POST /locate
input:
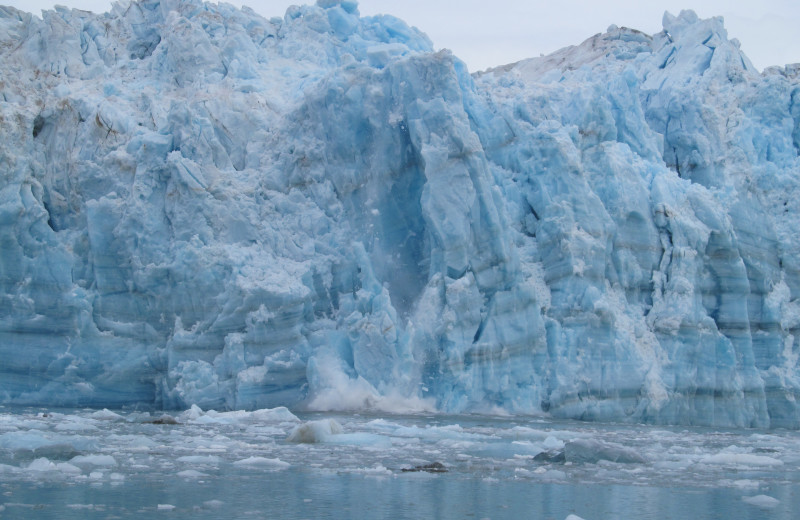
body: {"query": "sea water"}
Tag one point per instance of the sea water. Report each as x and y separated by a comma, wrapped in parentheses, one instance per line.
(276, 464)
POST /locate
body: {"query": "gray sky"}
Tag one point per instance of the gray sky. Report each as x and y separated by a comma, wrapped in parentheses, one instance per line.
(486, 33)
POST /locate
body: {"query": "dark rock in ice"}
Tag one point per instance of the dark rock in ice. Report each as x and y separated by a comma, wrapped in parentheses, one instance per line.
(550, 457)
(433, 467)
(589, 451)
(164, 419)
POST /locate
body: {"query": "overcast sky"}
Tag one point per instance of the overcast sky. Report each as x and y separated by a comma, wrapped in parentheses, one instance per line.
(486, 33)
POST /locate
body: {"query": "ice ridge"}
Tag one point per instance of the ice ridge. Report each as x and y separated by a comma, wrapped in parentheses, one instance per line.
(200, 206)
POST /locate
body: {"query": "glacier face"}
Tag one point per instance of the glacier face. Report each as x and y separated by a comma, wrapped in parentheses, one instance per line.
(202, 206)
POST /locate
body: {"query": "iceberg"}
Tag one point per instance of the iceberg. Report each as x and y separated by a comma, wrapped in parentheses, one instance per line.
(200, 206)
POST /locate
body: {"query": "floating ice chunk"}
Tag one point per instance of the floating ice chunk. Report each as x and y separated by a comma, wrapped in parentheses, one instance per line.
(741, 459)
(453, 432)
(165, 507)
(673, 465)
(522, 472)
(762, 501)
(94, 460)
(106, 415)
(42, 464)
(7, 469)
(66, 467)
(376, 471)
(277, 415)
(554, 474)
(193, 413)
(199, 459)
(263, 462)
(214, 419)
(76, 425)
(551, 443)
(49, 445)
(315, 431)
(383, 424)
(590, 451)
(573, 517)
(360, 439)
(191, 473)
(515, 449)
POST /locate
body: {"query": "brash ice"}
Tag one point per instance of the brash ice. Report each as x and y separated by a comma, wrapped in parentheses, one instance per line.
(202, 206)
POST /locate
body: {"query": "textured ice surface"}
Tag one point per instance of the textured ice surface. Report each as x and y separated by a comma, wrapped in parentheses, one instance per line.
(202, 206)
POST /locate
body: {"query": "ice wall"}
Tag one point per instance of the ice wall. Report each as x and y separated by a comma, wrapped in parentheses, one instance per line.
(202, 206)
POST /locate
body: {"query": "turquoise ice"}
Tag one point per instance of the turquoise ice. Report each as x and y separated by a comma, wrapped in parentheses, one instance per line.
(202, 206)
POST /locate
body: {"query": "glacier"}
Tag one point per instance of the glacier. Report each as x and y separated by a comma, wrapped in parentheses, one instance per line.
(200, 206)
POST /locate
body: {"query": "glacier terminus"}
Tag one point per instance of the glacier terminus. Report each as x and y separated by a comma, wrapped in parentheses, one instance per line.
(201, 206)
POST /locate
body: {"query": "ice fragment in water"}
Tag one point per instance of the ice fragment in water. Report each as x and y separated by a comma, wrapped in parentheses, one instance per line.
(315, 431)
(762, 501)
(590, 451)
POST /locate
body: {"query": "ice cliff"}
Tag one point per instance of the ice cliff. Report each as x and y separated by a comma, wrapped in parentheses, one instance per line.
(202, 206)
